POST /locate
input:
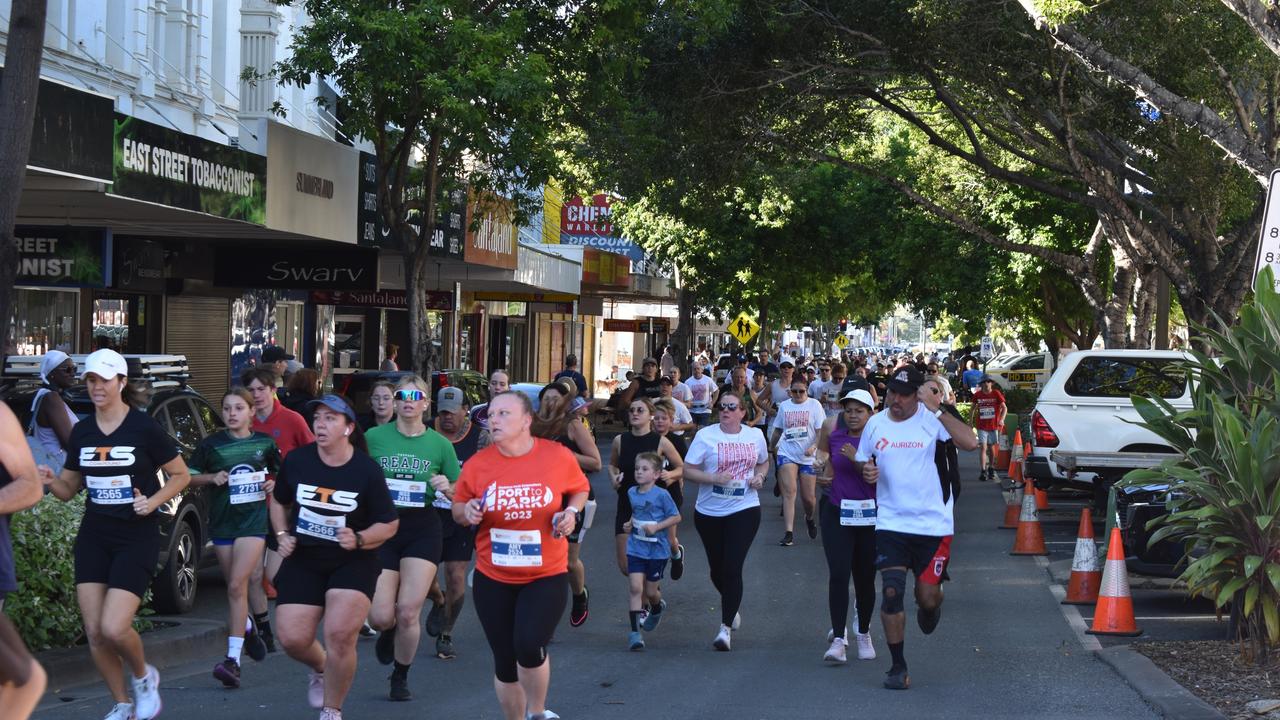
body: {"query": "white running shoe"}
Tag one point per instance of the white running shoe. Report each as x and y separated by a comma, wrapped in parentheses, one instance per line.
(831, 634)
(330, 714)
(122, 711)
(737, 621)
(544, 715)
(836, 653)
(721, 642)
(315, 690)
(866, 649)
(146, 694)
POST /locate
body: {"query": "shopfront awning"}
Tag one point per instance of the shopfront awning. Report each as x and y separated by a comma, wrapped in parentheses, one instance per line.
(536, 271)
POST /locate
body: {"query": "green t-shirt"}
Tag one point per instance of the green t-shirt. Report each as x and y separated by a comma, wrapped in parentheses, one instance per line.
(238, 508)
(409, 463)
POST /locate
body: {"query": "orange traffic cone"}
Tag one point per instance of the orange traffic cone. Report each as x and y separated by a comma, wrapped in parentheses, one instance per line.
(1012, 509)
(1030, 539)
(1018, 448)
(1113, 614)
(1082, 588)
(1002, 459)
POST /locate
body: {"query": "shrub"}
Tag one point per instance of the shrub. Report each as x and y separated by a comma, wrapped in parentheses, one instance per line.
(1021, 401)
(44, 608)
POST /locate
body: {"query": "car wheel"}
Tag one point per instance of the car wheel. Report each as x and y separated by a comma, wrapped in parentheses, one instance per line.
(174, 589)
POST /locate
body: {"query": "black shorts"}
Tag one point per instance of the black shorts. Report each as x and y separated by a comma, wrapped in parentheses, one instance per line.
(624, 510)
(119, 557)
(457, 542)
(419, 536)
(676, 490)
(310, 572)
(926, 556)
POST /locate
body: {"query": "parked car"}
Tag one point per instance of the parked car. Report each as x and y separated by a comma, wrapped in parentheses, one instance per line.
(357, 386)
(1029, 371)
(188, 418)
(1085, 407)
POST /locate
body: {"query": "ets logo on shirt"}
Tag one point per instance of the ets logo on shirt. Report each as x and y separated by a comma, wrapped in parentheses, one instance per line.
(101, 457)
(327, 498)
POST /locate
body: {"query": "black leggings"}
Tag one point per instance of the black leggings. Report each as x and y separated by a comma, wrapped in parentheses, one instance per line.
(727, 540)
(850, 550)
(519, 620)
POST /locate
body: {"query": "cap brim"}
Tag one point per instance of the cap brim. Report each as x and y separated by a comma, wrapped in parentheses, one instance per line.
(903, 388)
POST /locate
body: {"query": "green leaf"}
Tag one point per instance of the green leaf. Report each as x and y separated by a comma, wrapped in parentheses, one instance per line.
(1251, 563)
(1228, 590)
(1272, 617)
(1251, 598)
(1273, 572)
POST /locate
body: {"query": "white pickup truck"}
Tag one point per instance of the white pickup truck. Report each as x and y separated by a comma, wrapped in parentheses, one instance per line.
(1085, 407)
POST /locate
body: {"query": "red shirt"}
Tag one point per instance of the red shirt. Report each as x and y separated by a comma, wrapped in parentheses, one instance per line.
(986, 406)
(514, 540)
(286, 427)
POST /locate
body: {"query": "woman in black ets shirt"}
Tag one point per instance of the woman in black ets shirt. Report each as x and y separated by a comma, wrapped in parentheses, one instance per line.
(113, 455)
(332, 510)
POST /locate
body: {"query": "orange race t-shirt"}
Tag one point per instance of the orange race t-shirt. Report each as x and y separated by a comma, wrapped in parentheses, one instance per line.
(514, 541)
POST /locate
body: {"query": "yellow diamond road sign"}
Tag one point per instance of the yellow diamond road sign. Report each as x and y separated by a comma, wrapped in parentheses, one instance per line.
(743, 328)
(842, 340)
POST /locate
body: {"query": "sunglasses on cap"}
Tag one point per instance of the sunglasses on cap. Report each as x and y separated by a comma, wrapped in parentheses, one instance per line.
(410, 395)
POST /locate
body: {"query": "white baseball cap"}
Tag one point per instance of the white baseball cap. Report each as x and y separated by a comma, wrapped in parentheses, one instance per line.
(861, 396)
(106, 364)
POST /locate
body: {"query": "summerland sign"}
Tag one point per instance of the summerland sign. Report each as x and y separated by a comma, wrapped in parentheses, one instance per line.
(289, 268)
(311, 185)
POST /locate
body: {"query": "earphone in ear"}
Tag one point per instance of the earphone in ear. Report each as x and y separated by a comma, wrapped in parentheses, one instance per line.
(348, 432)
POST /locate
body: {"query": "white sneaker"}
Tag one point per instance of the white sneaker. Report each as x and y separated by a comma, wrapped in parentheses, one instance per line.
(737, 621)
(721, 642)
(122, 711)
(866, 650)
(836, 653)
(146, 694)
(831, 634)
(315, 690)
(330, 714)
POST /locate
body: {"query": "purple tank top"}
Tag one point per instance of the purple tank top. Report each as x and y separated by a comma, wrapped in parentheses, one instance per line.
(847, 482)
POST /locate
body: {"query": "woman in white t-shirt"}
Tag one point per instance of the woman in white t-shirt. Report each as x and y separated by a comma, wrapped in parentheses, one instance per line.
(701, 389)
(729, 462)
(794, 440)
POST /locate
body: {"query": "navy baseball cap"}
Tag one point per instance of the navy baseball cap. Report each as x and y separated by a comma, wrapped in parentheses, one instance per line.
(906, 381)
(336, 404)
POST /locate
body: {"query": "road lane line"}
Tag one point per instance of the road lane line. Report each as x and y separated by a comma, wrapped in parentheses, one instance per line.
(1070, 612)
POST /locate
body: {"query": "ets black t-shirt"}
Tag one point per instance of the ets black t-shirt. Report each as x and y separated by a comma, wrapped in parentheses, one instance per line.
(323, 499)
(114, 465)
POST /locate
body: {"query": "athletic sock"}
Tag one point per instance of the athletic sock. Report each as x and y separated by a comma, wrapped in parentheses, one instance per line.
(234, 646)
(263, 621)
(895, 649)
(635, 620)
(401, 670)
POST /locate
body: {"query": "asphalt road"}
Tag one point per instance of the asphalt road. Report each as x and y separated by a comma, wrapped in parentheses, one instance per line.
(1004, 648)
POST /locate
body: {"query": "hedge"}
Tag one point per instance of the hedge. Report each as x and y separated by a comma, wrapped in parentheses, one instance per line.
(44, 608)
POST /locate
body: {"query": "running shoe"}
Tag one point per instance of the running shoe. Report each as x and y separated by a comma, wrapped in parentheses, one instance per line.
(928, 620)
(435, 619)
(268, 640)
(897, 678)
(581, 609)
(721, 642)
(444, 647)
(866, 649)
(330, 714)
(400, 688)
(811, 526)
(544, 715)
(254, 646)
(146, 694)
(737, 621)
(787, 540)
(655, 616)
(367, 631)
(831, 634)
(982, 476)
(677, 563)
(122, 711)
(635, 641)
(385, 649)
(315, 690)
(228, 673)
(836, 654)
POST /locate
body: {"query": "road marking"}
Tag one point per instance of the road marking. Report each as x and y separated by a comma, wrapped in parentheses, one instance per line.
(1069, 612)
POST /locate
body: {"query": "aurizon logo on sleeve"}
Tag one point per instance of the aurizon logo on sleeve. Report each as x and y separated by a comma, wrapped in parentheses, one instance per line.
(97, 457)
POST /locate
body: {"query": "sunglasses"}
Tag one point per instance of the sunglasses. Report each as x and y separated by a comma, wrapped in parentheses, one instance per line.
(798, 392)
(410, 395)
(729, 408)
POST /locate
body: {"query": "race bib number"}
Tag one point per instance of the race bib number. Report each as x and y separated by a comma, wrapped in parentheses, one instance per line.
(515, 548)
(247, 487)
(737, 488)
(638, 527)
(408, 493)
(986, 413)
(795, 434)
(115, 490)
(857, 512)
(320, 526)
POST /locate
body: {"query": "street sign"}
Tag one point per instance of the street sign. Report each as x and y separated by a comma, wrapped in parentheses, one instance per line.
(1269, 243)
(743, 328)
(988, 348)
(842, 341)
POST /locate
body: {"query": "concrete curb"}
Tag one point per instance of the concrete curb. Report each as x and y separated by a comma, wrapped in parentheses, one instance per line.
(1159, 690)
(189, 639)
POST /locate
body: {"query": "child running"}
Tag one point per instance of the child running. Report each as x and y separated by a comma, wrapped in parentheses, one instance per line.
(240, 465)
(652, 512)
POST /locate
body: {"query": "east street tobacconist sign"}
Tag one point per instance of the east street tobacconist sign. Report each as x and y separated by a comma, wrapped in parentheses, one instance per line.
(163, 166)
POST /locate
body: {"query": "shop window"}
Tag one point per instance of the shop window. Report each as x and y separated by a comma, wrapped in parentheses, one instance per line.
(110, 323)
(42, 320)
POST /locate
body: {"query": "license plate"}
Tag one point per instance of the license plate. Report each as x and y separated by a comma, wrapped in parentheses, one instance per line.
(1022, 377)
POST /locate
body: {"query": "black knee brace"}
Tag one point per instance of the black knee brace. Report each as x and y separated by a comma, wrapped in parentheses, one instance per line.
(894, 584)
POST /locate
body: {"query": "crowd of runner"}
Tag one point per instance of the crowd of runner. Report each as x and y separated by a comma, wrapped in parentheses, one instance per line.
(354, 522)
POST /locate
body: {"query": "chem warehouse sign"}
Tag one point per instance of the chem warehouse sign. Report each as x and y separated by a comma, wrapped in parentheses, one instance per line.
(166, 167)
(61, 256)
(589, 223)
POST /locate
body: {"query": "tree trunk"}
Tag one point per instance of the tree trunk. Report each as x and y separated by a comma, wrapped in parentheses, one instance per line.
(762, 337)
(1144, 308)
(1116, 313)
(425, 360)
(18, 89)
(688, 330)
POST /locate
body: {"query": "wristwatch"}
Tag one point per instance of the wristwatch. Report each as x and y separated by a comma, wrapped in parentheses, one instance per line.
(571, 509)
(938, 413)
(281, 532)
(359, 541)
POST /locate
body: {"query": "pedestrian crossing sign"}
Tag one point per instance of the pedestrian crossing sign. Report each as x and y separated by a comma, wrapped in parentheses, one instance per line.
(842, 341)
(743, 328)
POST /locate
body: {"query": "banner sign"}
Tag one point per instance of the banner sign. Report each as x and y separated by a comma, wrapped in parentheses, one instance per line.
(450, 230)
(72, 132)
(591, 225)
(639, 325)
(493, 243)
(62, 256)
(166, 167)
(311, 184)
(294, 268)
(390, 299)
(524, 297)
(605, 269)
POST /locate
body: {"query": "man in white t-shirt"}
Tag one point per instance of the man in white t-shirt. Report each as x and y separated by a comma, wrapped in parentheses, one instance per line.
(794, 439)
(701, 390)
(824, 377)
(914, 521)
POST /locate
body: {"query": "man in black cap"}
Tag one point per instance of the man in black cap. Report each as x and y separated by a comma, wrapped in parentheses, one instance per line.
(275, 358)
(914, 521)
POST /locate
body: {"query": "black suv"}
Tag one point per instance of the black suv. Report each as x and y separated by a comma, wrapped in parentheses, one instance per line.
(188, 418)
